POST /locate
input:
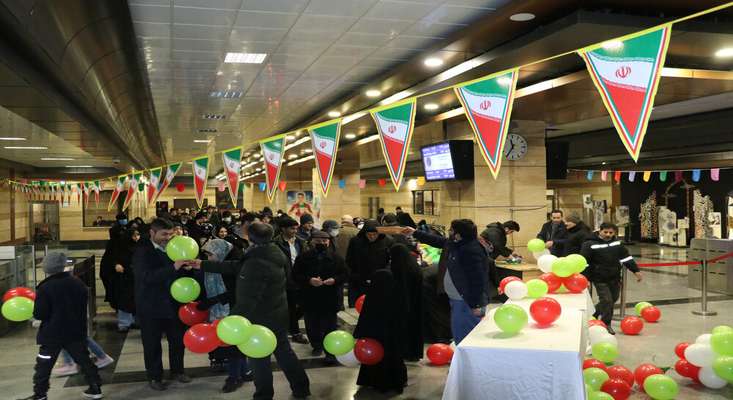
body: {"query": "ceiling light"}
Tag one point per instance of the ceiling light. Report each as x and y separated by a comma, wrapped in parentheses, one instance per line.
(26, 147)
(289, 138)
(245, 58)
(430, 106)
(56, 159)
(12, 138)
(292, 156)
(522, 17)
(603, 163)
(433, 62)
(202, 141)
(79, 166)
(724, 52)
(257, 155)
(309, 150)
(373, 93)
(226, 94)
(334, 114)
(208, 130)
(219, 73)
(612, 45)
(350, 136)
(213, 116)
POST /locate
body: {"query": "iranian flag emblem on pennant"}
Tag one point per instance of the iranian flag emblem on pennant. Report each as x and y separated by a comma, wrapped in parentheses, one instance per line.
(487, 103)
(272, 151)
(200, 176)
(119, 186)
(97, 188)
(395, 123)
(86, 193)
(626, 73)
(232, 160)
(153, 184)
(325, 142)
(132, 188)
(170, 173)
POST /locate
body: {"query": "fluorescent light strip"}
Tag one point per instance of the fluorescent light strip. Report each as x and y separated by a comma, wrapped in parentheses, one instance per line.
(301, 160)
(79, 166)
(56, 159)
(26, 147)
(298, 142)
(12, 138)
(245, 58)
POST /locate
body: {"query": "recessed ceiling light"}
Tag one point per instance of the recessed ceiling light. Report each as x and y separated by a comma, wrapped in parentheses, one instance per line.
(79, 166)
(522, 17)
(724, 52)
(219, 73)
(245, 58)
(308, 150)
(292, 156)
(26, 147)
(612, 44)
(349, 136)
(334, 114)
(208, 130)
(256, 155)
(12, 138)
(226, 94)
(433, 62)
(431, 106)
(289, 138)
(603, 163)
(213, 116)
(56, 159)
(373, 93)
(202, 141)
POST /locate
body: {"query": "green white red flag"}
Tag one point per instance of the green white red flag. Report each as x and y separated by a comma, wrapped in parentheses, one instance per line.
(232, 160)
(200, 176)
(395, 123)
(487, 103)
(134, 179)
(97, 188)
(170, 173)
(325, 142)
(86, 187)
(153, 184)
(272, 153)
(627, 73)
(119, 187)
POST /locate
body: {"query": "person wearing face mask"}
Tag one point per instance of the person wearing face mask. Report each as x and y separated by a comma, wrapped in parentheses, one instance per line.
(367, 252)
(332, 228)
(319, 273)
(292, 246)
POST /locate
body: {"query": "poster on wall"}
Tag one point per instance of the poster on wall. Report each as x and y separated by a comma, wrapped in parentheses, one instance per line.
(303, 202)
(715, 223)
(622, 215)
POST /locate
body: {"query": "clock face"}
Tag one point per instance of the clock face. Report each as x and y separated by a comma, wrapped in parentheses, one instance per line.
(515, 147)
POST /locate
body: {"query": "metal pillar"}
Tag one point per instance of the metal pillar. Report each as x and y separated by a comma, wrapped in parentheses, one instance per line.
(704, 287)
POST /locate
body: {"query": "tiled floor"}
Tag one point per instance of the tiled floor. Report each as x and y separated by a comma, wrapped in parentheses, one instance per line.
(666, 287)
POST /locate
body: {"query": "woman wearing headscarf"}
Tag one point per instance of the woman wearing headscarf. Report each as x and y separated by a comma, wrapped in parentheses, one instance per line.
(124, 282)
(382, 319)
(408, 280)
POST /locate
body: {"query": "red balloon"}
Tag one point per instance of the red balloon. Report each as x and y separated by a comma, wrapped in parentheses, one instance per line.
(368, 351)
(359, 303)
(644, 371)
(190, 315)
(684, 368)
(545, 310)
(575, 283)
(632, 325)
(506, 280)
(593, 363)
(201, 338)
(651, 314)
(553, 281)
(439, 354)
(617, 388)
(180, 187)
(598, 322)
(680, 349)
(621, 372)
(19, 291)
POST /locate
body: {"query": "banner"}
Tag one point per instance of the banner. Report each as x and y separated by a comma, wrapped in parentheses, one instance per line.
(132, 188)
(200, 176)
(627, 73)
(488, 107)
(153, 184)
(325, 142)
(170, 173)
(119, 186)
(97, 189)
(85, 186)
(272, 152)
(395, 124)
(232, 159)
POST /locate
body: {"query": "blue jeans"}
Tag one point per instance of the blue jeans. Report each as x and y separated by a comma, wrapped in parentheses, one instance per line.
(462, 320)
(237, 367)
(94, 347)
(124, 319)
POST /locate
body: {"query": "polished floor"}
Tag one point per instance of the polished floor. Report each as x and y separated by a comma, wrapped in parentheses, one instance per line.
(666, 287)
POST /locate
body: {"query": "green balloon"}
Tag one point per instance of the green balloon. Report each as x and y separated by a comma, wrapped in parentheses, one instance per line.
(535, 245)
(722, 343)
(510, 318)
(536, 288)
(233, 329)
(563, 267)
(185, 290)
(661, 387)
(641, 305)
(339, 342)
(18, 309)
(260, 343)
(182, 248)
(722, 328)
(605, 352)
(600, 396)
(588, 389)
(578, 261)
(723, 367)
(594, 377)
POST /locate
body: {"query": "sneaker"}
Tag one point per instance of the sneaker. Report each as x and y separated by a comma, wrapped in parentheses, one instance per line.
(35, 397)
(248, 377)
(65, 370)
(183, 378)
(317, 352)
(231, 385)
(610, 330)
(299, 338)
(158, 385)
(103, 362)
(94, 392)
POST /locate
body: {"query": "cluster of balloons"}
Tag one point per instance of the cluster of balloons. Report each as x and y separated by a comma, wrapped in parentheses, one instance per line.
(18, 304)
(616, 382)
(647, 311)
(439, 354)
(709, 360)
(351, 352)
(559, 272)
(182, 248)
(255, 341)
(430, 254)
(598, 334)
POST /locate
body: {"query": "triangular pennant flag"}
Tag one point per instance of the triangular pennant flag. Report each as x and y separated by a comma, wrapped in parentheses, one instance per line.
(282, 185)
(262, 186)
(420, 180)
(487, 103)
(232, 160)
(589, 175)
(663, 176)
(272, 152)
(200, 176)
(677, 176)
(617, 176)
(119, 186)
(626, 72)
(395, 123)
(78, 190)
(342, 183)
(696, 175)
(604, 175)
(381, 182)
(134, 179)
(632, 176)
(647, 176)
(153, 184)
(87, 189)
(325, 142)
(170, 173)
(362, 183)
(715, 174)
(97, 189)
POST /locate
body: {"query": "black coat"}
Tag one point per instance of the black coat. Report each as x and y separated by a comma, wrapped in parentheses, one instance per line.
(577, 235)
(154, 274)
(116, 245)
(301, 245)
(555, 232)
(364, 257)
(605, 259)
(325, 265)
(495, 234)
(61, 306)
(124, 283)
(408, 279)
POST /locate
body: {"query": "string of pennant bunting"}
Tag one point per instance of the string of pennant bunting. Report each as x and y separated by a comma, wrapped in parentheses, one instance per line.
(646, 176)
(626, 72)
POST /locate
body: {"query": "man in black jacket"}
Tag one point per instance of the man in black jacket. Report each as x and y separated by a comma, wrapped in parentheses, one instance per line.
(606, 255)
(157, 311)
(61, 306)
(496, 235)
(578, 233)
(292, 246)
(553, 233)
(367, 253)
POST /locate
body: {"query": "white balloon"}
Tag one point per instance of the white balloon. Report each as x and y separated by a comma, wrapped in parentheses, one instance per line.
(595, 332)
(708, 378)
(348, 359)
(544, 262)
(704, 338)
(516, 290)
(538, 254)
(700, 355)
(607, 338)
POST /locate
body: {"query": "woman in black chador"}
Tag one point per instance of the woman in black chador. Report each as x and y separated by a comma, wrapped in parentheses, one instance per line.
(408, 280)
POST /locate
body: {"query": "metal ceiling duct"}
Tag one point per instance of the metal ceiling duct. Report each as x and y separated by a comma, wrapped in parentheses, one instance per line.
(82, 55)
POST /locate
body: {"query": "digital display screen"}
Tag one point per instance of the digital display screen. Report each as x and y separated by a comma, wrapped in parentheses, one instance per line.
(438, 162)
